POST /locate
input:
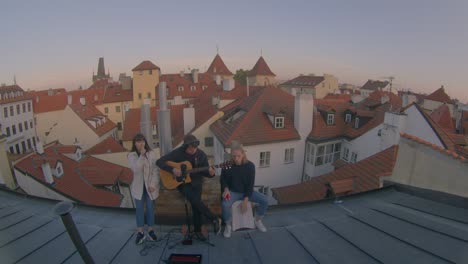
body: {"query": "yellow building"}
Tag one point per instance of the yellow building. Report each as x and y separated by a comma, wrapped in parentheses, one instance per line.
(145, 80)
(261, 75)
(318, 86)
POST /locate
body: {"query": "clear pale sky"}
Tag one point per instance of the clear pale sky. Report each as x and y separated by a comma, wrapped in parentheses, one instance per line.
(423, 43)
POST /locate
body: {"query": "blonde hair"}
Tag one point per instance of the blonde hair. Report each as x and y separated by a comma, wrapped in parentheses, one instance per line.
(237, 146)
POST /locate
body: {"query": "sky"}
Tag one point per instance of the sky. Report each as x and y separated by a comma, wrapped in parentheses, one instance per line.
(422, 43)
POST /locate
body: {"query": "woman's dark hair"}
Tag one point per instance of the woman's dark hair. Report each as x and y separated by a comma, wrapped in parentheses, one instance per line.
(139, 137)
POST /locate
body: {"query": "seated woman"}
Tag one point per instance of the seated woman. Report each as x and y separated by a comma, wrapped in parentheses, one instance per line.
(145, 185)
(237, 184)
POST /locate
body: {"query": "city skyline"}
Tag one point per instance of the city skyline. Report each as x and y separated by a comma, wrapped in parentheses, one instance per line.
(422, 43)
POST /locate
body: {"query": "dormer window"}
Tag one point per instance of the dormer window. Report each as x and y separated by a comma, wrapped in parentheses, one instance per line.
(180, 88)
(59, 169)
(330, 119)
(78, 154)
(348, 118)
(356, 122)
(204, 87)
(193, 88)
(279, 121)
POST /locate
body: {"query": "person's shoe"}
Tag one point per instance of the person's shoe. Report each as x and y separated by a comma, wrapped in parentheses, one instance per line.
(140, 238)
(260, 226)
(227, 231)
(152, 236)
(217, 225)
(200, 236)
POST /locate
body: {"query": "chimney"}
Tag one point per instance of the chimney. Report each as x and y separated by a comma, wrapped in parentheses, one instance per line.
(189, 119)
(39, 148)
(218, 79)
(164, 122)
(47, 172)
(69, 99)
(145, 122)
(303, 114)
(82, 100)
(384, 99)
(182, 73)
(195, 75)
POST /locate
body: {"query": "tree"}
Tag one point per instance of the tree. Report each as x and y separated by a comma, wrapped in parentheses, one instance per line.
(241, 76)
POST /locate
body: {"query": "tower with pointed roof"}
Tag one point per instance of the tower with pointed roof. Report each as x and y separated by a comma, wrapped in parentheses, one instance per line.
(101, 73)
(261, 75)
(218, 68)
(145, 80)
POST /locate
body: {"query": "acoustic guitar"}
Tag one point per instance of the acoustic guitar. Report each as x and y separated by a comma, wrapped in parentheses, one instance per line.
(170, 182)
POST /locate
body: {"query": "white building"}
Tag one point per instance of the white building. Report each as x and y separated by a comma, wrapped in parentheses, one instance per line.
(17, 119)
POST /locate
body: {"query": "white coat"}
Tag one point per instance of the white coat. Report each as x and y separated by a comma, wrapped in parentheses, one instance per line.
(144, 170)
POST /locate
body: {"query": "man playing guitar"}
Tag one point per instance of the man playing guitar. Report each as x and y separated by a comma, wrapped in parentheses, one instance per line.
(190, 152)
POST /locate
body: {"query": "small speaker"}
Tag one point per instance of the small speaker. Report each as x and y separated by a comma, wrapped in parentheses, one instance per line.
(184, 258)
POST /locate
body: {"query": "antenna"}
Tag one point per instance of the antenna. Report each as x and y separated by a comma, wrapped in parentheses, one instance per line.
(390, 79)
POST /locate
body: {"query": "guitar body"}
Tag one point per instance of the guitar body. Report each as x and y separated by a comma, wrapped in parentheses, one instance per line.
(167, 178)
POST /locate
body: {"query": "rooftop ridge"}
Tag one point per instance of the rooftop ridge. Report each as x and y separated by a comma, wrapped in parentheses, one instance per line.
(447, 152)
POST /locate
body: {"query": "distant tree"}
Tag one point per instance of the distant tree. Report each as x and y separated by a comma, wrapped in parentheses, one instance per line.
(241, 76)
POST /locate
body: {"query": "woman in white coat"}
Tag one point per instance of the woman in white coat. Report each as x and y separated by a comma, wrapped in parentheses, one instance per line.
(145, 185)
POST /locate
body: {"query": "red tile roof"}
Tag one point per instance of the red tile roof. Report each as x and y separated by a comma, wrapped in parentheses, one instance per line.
(370, 117)
(173, 81)
(305, 80)
(338, 97)
(108, 145)
(217, 66)
(89, 112)
(442, 117)
(374, 85)
(74, 182)
(114, 94)
(439, 95)
(366, 174)
(146, 65)
(7, 90)
(133, 119)
(253, 125)
(261, 68)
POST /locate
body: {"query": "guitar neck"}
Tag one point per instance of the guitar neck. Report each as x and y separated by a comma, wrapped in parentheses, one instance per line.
(201, 169)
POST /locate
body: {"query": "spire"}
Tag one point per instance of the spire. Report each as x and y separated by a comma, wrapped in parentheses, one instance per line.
(261, 68)
(217, 66)
(217, 49)
(101, 70)
(14, 79)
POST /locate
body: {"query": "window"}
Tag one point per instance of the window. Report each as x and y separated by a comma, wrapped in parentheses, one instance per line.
(8, 131)
(346, 153)
(149, 95)
(12, 150)
(265, 159)
(139, 96)
(279, 122)
(20, 127)
(17, 149)
(204, 87)
(18, 111)
(24, 107)
(151, 72)
(320, 153)
(13, 128)
(25, 125)
(353, 157)
(23, 146)
(208, 141)
(180, 88)
(348, 118)
(59, 171)
(330, 119)
(328, 153)
(29, 106)
(119, 126)
(12, 111)
(31, 124)
(5, 112)
(356, 122)
(141, 72)
(193, 88)
(117, 109)
(305, 177)
(34, 141)
(106, 110)
(29, 143)
(289, 155)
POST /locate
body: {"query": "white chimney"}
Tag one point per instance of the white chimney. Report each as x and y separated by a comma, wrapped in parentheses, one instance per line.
(248, 88)
(218, 79)
(178, 100)
(195, 75)
(47, 172)
(384, 99)
(145, 122)
(303, 114)
(69, 99)
(39, 147)
(182, 73)
(228, 84)
(82, 100)
(189, 119)
(164, 122)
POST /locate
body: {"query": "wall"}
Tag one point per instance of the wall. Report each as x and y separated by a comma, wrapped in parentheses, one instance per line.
(367, 144)
(6, 176)
(259, 80)
(16, 119)
(32, 187)
(421, 166)
(204, 131)
(144, 83)
(417, 125)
